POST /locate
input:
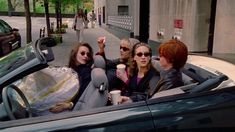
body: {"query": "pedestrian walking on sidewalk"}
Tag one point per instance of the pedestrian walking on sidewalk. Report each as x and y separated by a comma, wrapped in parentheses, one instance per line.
(78, 24)
(86, 21)
(93, 18)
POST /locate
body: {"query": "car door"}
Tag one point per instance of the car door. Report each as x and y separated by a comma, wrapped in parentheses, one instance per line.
(10, 39)
(212, 110)
(124, 117)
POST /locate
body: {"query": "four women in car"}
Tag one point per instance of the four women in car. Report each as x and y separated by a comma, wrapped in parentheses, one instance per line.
(140, 80)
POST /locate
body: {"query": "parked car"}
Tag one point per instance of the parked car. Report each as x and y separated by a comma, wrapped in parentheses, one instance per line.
(10, 38)
(206, 102)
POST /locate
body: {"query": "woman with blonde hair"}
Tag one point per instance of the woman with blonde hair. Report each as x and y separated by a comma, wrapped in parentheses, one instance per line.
(126, 45)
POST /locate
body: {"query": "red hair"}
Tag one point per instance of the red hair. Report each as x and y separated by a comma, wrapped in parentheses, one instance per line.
(175, 52)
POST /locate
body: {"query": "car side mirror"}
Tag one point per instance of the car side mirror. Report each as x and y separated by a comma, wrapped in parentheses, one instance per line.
(14, 29)
(48, 41)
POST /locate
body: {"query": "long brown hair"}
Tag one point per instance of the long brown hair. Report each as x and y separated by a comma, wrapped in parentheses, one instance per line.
(73, 63)
(133, 65)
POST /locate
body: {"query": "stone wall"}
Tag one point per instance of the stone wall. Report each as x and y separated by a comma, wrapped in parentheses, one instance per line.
(193, 13)
(224, 37)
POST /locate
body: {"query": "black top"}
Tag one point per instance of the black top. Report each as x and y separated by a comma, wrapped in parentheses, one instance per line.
(140, 91)
(84, 75)
(169, 79)
(114, 82)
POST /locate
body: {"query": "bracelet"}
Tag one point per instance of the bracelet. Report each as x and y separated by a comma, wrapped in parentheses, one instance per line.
(70, 105)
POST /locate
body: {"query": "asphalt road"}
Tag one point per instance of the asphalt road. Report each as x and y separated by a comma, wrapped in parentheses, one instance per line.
(61, 51)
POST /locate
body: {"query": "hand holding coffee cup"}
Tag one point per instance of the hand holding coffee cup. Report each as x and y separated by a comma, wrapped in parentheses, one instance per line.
(121, 72)
(115, 96)
(121, 68)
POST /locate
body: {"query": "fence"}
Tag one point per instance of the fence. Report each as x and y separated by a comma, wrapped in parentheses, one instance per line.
(125, 22)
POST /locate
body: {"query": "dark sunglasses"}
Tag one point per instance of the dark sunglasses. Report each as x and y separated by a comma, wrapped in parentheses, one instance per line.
(124, 48)
(87, 53)
(140, 54)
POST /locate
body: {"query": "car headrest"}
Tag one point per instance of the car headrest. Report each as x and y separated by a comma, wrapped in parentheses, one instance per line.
(99, 62)
(133, 41)
(98, 78)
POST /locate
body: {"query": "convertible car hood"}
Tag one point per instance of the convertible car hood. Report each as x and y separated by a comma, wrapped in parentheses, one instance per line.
(214, 65)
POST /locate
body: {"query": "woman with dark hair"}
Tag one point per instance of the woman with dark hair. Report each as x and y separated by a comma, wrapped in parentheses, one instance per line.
(81, 60)
(142, 76)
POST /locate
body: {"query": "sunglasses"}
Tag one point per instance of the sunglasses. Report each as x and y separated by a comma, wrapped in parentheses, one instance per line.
(124, 48)
(87, 53)
(140, 54)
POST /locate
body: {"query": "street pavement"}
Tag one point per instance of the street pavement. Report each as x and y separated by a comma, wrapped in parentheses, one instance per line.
(62, 51)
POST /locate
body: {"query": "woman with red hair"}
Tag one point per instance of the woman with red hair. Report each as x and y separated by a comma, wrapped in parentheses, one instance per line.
(173, 56)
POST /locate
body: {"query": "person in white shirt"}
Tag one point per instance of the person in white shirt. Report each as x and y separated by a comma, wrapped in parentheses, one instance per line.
(78, 25)
(93, 18)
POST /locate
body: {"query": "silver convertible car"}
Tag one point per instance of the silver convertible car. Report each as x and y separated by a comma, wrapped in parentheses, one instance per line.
(205, 103)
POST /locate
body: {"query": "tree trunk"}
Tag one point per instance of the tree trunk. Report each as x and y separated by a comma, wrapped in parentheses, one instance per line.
(28, 21)
(34, 8)
(58, 15)
(47, 17)
(10, 8)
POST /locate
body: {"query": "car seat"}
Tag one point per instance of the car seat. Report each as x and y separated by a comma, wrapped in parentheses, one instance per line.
(96, 93)
(99, 62)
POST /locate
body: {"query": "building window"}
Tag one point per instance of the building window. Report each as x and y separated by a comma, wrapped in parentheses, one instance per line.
(123, 10)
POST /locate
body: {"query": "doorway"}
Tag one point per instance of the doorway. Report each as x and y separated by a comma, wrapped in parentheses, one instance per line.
(144, 21)
(103, 14)
(212, 27)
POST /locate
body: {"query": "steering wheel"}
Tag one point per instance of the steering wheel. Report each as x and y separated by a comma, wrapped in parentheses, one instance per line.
(6, 101)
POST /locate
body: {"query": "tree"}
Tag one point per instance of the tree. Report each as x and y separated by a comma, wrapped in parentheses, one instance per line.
(34, 8)
(47, 17)
(28, 21)
(10, 8)
(58, 15)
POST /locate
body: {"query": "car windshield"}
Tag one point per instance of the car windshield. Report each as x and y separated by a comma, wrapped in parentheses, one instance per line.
(16, 59)
(4, 27)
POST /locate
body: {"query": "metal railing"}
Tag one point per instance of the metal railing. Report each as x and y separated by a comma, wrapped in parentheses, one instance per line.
(125, 22)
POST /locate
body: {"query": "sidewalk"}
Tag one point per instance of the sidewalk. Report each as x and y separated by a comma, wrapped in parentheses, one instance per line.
(62, 51)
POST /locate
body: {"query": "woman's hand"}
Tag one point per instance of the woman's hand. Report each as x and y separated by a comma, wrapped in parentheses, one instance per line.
(101, 42)
(125, 99)
(59, 107)
(122, 75)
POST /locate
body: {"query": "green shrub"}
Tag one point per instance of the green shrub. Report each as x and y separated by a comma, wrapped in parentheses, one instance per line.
(57, 37)
(64, 25)
(3, 6)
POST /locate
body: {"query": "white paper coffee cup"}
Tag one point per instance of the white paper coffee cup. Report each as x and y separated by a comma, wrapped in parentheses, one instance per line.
(115, 95)
(121, 67)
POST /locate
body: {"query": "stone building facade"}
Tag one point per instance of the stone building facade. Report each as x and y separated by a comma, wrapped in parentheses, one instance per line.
(204, 25)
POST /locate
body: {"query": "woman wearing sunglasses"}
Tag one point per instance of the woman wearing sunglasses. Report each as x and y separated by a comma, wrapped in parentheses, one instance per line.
(142, 76)
(126, 45)
(81, 60)
(125, 48)
(173, 56)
